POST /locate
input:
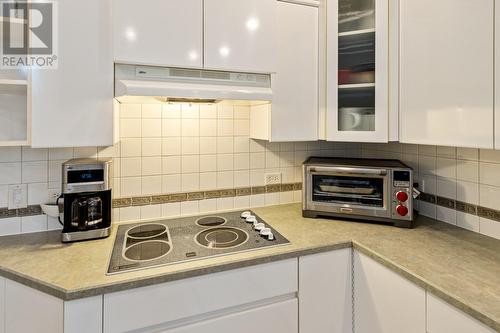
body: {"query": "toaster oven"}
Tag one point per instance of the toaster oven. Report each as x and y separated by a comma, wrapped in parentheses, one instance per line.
(367, 189)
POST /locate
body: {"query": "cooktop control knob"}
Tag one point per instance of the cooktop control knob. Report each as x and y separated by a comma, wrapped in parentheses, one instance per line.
(402, 210)
(265, 232)
(259, 226)
(402, 196)
(246, 214)
(251, 219)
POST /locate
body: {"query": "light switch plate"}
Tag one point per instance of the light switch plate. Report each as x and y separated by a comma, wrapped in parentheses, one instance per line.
(18, 196)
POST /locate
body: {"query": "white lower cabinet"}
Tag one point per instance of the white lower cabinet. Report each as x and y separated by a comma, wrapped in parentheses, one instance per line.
(160, 305)
(325, 292)
(30, 310)
(280, 317)
(83, 315)
(444, 318)
(2, 305)
(310, 295)
(385, 302)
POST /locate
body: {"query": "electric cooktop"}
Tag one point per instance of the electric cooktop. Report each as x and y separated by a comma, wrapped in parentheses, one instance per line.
(149, 244)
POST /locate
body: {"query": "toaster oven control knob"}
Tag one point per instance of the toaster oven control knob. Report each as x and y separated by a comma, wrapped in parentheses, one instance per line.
(402, 196)
(402, 210)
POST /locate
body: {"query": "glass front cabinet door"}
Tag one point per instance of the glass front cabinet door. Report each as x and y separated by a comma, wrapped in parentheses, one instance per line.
(357, 70)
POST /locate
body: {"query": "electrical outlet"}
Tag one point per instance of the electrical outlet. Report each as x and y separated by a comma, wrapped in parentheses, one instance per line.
(18, 196)
(53, 195)
(272, 178)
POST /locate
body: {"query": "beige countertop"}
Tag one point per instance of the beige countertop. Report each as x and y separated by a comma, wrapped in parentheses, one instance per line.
(457, 265)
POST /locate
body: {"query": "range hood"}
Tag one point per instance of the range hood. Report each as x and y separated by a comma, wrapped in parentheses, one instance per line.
(163, 84)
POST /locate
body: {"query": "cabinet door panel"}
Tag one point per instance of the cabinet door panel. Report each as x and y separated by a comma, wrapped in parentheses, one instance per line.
(2, 305)
(357, 77)
(444, 318)
(149, 306)
(72, 105)
(497, 77)
(158, 32)
(325, 292)
(83, 315)
(275, 318)
(44, 312)
(295, 106)
(446, 72)
(385, 302)
(240, 35)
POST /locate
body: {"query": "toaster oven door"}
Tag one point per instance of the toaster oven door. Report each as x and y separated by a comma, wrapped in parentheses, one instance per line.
(346, 190)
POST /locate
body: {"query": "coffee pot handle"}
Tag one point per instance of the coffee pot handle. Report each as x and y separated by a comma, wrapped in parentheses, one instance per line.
(59, 209)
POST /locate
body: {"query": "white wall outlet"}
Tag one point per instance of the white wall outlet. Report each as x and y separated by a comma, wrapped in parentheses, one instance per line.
(53, 195)
(18, 196)
(272, 178)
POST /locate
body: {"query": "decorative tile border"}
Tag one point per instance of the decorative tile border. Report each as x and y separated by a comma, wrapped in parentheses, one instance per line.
(31, 210)
(460, 206)
(201, 195)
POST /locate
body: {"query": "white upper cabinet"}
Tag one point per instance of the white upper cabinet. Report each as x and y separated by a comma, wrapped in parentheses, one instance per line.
(385, 302)
(158, 32)
(497, 77)
(72, 105)
(240, 35)
(294, 113)
(446, 72)
(357, 70)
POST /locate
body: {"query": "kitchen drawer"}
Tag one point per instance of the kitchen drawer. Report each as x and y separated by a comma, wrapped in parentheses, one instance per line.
(281, 317)
(159, 304)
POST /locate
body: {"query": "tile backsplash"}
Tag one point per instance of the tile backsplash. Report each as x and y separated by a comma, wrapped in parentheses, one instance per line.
(169, 148)
(180, 148)
(463, 175)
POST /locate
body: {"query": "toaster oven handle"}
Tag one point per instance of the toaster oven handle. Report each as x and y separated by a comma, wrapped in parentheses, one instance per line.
(348, 170)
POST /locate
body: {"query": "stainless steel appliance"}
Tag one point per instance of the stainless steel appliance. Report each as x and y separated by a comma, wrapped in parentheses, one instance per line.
(86, 199)
(149, 244)
(367, 189)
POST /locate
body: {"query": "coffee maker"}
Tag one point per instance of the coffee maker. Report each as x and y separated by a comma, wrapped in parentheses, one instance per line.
(85, 201)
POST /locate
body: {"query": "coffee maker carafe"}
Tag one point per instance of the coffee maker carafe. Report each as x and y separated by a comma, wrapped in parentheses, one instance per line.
(86, 199)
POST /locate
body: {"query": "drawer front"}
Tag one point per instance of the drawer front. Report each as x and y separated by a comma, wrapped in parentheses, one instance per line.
(153, 305)
(279, 317)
